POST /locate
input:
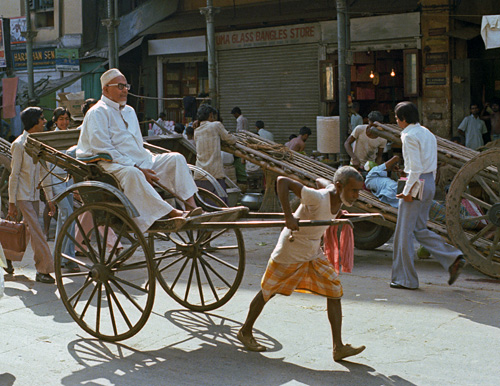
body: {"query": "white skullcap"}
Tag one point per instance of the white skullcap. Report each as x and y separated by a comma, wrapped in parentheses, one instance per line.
(109, 75)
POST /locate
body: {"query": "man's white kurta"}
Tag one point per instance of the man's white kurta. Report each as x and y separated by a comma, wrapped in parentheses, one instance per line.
(112, 129)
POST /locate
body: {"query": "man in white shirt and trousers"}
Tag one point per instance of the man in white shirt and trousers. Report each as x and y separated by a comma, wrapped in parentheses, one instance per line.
(112, 127)
(420, 160)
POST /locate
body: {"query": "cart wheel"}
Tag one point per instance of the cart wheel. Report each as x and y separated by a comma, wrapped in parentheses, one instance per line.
(4, 183)
(368, 235)
(201, 269)
(112, 296)
(478, 181)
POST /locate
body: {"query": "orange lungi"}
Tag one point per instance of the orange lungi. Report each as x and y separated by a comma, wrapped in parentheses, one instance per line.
(316, 276)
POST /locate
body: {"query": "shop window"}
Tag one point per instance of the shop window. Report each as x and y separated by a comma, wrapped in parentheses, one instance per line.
(44, 19)
(328, 71)
(411, 73)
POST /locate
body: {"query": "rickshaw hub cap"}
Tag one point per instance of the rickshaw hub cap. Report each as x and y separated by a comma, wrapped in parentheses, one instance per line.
(494, 214)
(99, 272)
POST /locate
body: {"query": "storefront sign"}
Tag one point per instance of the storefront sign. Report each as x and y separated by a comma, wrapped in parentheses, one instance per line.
(263, 37)
(435, 68)
(17, 27)
(42, 58)
(3, 56)
(436, 58)
(435, 81)
(67, 59)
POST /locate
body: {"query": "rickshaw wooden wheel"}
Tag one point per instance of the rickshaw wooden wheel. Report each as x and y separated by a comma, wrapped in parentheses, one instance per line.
(477, 182)
(112, 296)
(201, 269)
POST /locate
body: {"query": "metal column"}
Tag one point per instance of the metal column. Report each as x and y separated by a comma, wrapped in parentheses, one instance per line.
(111, 23)
(341, 32)
(209, 12)
(30, 36)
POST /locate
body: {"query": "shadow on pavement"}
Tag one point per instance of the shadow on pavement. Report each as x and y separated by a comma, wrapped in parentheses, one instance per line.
(213, 363)
(39, 298)
(7, 379)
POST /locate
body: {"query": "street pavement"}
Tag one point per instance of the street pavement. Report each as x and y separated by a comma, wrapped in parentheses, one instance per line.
(437, 335)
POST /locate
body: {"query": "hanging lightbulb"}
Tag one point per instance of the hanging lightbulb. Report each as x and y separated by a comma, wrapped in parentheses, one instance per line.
(393, 73)
(372, 75)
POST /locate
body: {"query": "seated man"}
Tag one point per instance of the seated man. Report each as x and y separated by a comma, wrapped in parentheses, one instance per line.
(368, 147)
(298, 143)
(112, 127)
(378, 181)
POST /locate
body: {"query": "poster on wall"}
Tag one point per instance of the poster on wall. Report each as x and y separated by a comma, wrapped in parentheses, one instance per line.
(67, 59)
(17, 27)
(3, 56)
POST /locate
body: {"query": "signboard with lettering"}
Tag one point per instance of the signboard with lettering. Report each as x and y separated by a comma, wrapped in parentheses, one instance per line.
(42, 58)
(3, 56)
(67, 59)
(263, 37)
(436, 58)
(435, 81)
(17, 27)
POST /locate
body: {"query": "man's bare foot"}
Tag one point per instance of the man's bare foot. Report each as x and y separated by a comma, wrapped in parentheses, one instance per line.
(346, 351)
(249, 342)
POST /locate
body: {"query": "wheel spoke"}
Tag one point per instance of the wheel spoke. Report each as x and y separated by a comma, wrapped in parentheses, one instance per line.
(109, 294)
(89, 300)
(100, 247)
(124, 255)
(90, 252)
(200, 285)
(180, 272)
(213, 257)
(127, 295)
(126, 282)
(120, 308)
(213, 237)
(215, 272)
(494, 245)
(179, 235)
(188, 287)
(481, 232)
(79, 292)
(476, 200)
(98, 313)
(487, 188)
(209, 279)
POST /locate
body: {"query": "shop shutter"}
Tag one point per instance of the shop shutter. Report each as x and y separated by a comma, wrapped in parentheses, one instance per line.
(278, 85)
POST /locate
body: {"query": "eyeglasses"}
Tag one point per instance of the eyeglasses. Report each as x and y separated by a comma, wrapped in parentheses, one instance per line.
(120, 86)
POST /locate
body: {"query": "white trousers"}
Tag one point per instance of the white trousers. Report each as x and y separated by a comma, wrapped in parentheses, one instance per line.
(172, 171)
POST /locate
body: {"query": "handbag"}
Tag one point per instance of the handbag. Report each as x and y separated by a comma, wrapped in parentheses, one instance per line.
(14, 238)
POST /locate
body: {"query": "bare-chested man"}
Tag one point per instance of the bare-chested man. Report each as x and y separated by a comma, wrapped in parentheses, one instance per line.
(494, 118)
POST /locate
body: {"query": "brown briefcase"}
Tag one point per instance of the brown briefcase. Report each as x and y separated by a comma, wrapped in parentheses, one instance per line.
(13, 237)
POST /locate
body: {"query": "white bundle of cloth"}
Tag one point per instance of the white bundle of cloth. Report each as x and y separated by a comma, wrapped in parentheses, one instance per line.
(490, 31)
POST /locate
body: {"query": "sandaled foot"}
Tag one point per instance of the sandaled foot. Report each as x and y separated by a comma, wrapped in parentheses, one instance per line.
(346, 351)
(195, 212)
(250, 343)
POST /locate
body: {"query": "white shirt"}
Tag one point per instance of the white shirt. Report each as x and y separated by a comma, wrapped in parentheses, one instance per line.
(241, 123)
(25, 175)
(356, 120)
(207, 138)
(315, 205)
(366, 148)
(112, 129)
(474, 128)
(419, 153)
(266, 134)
